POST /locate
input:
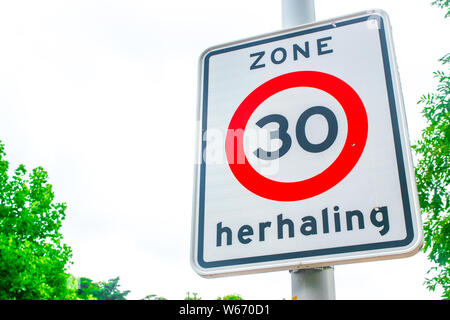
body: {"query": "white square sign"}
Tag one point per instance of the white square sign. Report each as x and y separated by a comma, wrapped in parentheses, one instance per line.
(303, 153)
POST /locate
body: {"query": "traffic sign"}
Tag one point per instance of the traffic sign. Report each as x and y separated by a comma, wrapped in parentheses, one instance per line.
(303, 154)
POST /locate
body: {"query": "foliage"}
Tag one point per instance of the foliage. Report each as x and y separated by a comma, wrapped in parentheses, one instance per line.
(33, 258)
(109, 290)
(230, 297)
(87, 289)
(443, 4)
(153, 297)
(433, 179)
(194, 296)
(433, 175)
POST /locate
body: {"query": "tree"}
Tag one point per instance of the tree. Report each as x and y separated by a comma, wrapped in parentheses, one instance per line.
(153, 297)
(443, 4)
(108, 290)
(87, 289)
(33, 259)
(194, 296)
(433, 176)
(231, 297)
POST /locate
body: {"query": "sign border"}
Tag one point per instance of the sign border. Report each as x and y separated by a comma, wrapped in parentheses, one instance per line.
(197, 242)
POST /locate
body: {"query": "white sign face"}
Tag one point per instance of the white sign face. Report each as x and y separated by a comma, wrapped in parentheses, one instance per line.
(303, 156)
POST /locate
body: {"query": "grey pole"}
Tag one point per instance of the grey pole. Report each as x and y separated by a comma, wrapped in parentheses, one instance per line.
(317, 283)
(297, 12)
(313, 284)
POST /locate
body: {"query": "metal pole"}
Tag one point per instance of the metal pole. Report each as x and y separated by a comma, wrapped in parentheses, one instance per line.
(313, 284)
(297, 12)
(318, 283)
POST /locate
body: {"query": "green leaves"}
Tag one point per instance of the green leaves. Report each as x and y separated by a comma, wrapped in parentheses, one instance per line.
(231, 297)
(443, 4)
(194, 296)
(33, 259)
(433, 175)
(433, 178)
(108, 290)
(153, 297)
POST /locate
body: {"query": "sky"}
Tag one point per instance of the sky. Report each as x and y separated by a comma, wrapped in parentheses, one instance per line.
(103, 95)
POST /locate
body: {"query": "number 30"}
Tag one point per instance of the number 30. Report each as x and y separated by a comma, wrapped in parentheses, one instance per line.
(300, 132)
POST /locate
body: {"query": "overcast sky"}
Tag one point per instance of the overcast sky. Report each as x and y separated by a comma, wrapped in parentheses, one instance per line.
(102, 94)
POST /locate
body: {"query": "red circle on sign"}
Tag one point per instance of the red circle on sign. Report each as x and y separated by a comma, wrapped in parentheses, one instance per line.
(338, 170)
